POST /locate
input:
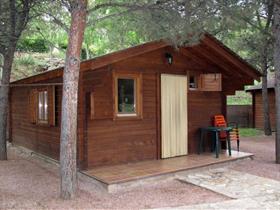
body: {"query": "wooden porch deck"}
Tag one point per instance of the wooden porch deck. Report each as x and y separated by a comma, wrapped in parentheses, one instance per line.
(134, 171)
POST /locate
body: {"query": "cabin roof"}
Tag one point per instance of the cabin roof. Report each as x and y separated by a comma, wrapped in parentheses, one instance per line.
(207, 47)
(270, 85)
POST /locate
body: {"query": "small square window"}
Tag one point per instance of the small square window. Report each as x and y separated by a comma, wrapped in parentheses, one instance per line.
(193, 82)
(128, 99)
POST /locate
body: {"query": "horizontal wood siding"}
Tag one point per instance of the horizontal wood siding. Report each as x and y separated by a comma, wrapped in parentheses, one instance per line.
(39, 138)
(258, 112)
(113, 141)
(202, 107)
(103, 139)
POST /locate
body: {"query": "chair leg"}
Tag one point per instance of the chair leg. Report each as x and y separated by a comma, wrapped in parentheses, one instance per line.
(213, 141)
(229, 144)
(238, 145)
(217, 144)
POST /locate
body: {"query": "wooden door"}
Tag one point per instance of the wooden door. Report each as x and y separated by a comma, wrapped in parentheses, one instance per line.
(174, 117)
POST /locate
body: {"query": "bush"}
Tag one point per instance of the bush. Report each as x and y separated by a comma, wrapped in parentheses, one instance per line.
(32, 45)
(62, 45)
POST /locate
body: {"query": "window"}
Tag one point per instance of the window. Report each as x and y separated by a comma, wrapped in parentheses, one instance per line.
(128, 100)
(193, 82)
(126, 96)
(43, 106)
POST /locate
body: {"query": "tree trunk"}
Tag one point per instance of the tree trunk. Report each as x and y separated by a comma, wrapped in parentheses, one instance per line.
(4, 100)
(68, 138)
(276, 33)
(265, 99)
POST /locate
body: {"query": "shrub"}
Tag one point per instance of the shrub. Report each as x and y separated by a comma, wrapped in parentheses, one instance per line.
(32, 45)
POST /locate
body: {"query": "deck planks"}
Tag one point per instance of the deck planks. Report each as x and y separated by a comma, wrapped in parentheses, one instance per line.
(144, 169)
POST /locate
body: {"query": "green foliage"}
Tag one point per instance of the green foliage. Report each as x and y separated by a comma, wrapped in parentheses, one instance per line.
(114, 28)
(252, 39)
(240, 98)
(32, 45)
(1, 61)
(27, 60)
(27, 64)
(249, 132)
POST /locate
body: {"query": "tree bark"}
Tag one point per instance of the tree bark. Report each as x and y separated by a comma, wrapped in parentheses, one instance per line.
(276, 30)
(4, 100)
(14, 16)
(68, 138)
(265, 99)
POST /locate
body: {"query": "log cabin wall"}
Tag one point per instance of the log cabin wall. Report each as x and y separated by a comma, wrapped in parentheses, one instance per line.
(113, 141)
(103, 140)
(42, 139)
(258, 109)
(202, 106)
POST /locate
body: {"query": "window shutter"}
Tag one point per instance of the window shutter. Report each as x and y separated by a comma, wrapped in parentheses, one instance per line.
(33, 101)
(211, 82)
(51, 105)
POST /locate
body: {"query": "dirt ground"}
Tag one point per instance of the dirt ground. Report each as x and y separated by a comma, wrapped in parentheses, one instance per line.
(29, 183)
(264, 160)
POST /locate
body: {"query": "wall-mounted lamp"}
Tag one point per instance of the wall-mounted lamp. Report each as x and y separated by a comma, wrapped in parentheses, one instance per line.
(169, 58)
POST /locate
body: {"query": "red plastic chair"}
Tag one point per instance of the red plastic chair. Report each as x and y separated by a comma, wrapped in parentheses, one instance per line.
(219, 121)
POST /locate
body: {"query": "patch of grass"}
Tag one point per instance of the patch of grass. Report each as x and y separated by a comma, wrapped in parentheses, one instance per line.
(240, 98)
(26, 60)
(249, 132)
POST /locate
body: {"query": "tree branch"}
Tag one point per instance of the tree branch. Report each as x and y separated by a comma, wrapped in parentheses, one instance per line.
(100, 6)
(118, 14)
(127, 5)
(59, 22)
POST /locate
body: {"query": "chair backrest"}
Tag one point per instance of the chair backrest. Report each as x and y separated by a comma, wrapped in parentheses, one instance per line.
(219, 121)
(234, 134)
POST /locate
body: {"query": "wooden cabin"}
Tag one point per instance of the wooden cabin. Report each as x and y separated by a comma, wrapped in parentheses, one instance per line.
(142, 103)
(257, 105)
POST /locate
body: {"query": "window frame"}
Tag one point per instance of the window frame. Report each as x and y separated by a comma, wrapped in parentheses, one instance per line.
(34, 106)
(43, 121)
(196, 80)
(137, 77)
